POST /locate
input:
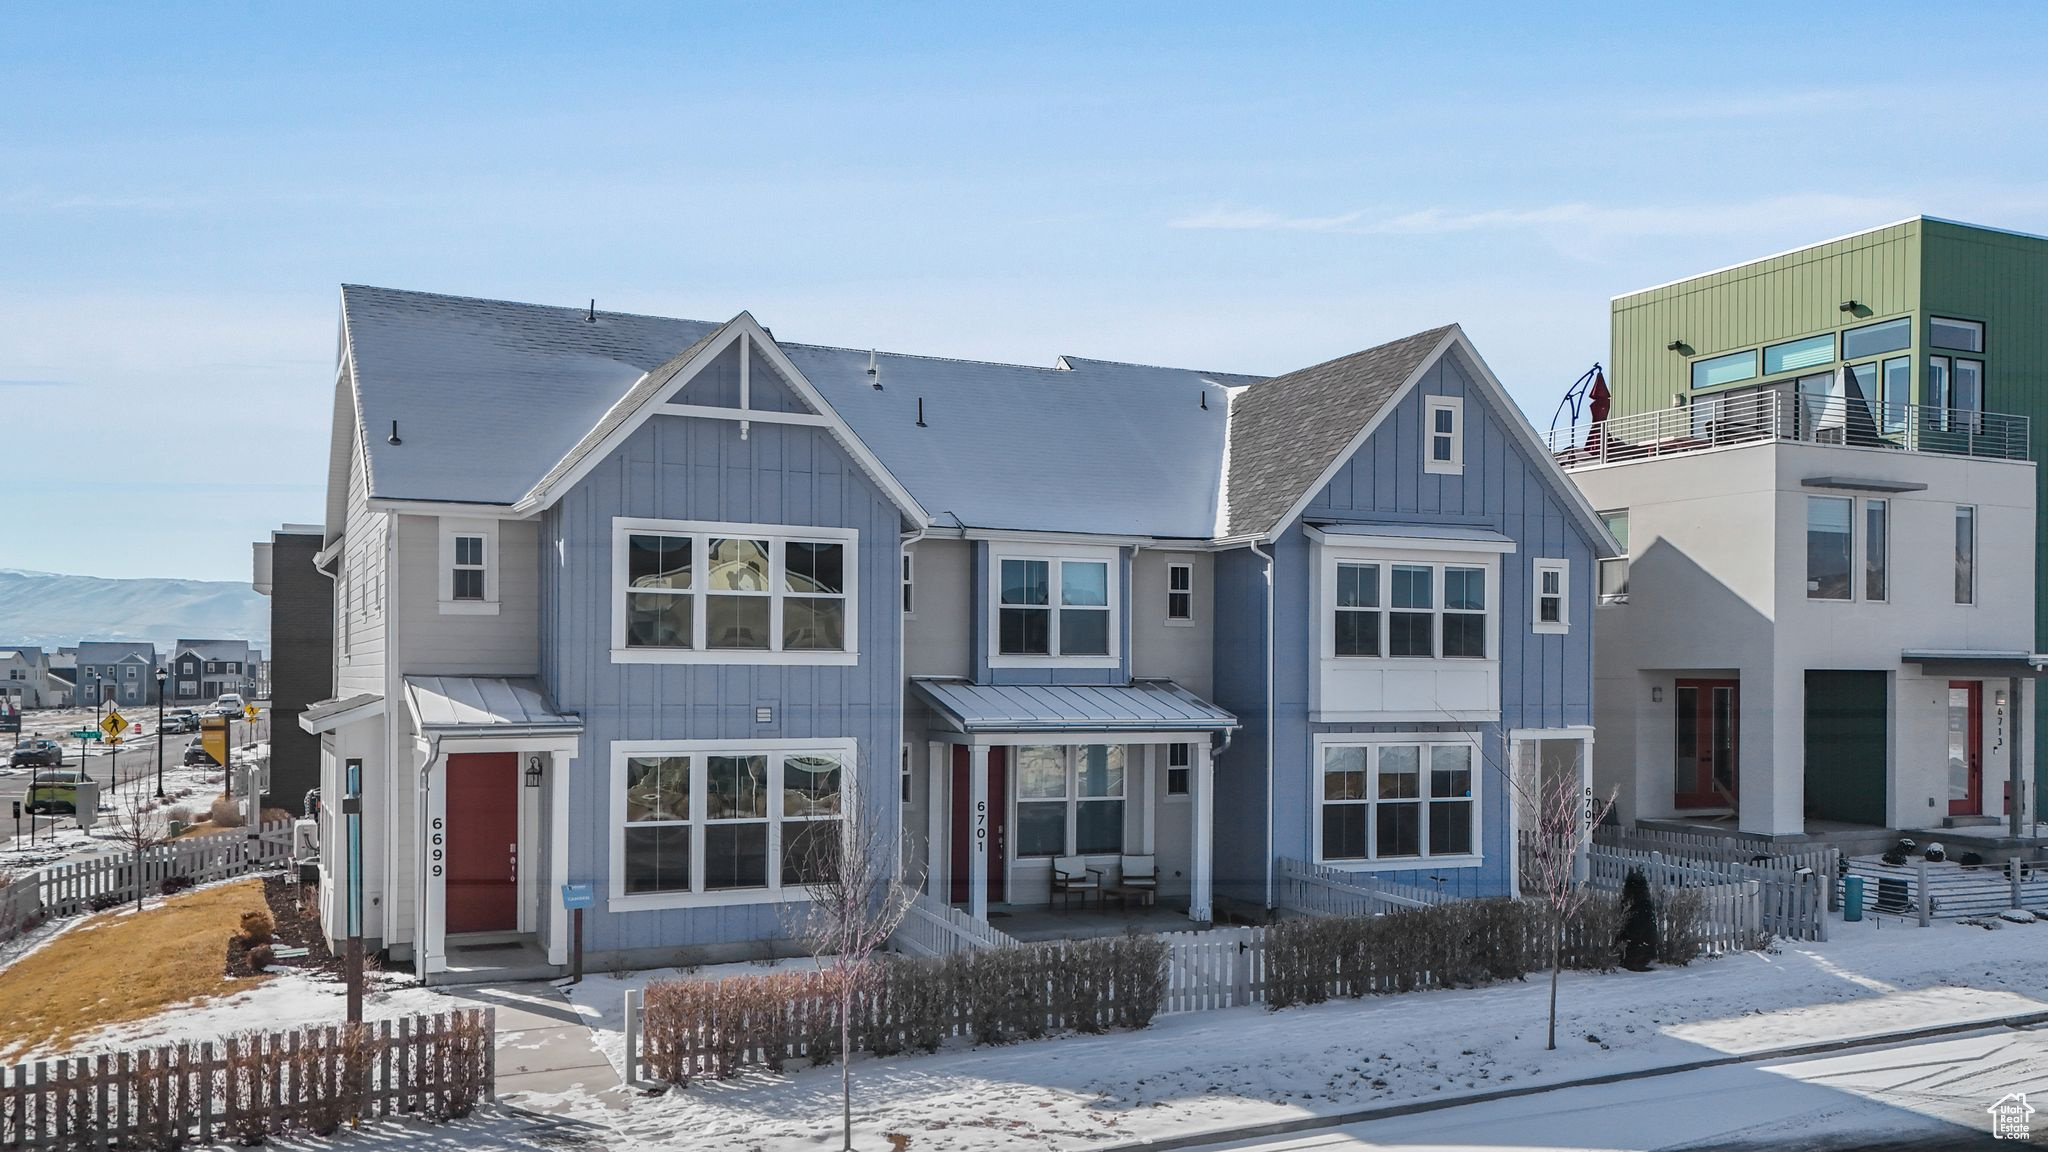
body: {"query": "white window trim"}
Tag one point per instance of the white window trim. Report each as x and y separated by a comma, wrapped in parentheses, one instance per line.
(1072, 799)
(444, 578)
(1437, 561)
(1054, 555)
(1170, 620)
(1958, 321)
(777, 534)
(1863, 549)
(1166, 769)
(1473, 859)
(1563, 624)
(617, 900)
(909, 584)
(1455, 405)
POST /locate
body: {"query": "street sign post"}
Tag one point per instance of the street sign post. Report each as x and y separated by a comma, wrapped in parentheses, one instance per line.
(577, 897)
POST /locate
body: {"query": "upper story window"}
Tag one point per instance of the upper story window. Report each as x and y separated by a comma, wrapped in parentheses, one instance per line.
(1730, 369)
(469, 565)
(694, 592)
(1966, 554)
(1178, 769)
(1430, 611)
(1830, 544)
(1874, 339)
(1955, 335)
(909, 584)
(1795, 355)
(1551, 593)
(1180, 592)
(1614, 569)
(1057, 607)
(1443, 435)
(213, 666)
(191, 666)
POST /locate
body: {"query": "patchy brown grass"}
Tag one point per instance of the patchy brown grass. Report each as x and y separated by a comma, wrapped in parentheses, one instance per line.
(122, 966)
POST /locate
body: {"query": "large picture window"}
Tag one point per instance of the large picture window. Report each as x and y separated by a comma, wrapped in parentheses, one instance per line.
(1830, 540)
(699, 820)
(1431, 611)
(733, 593)
(1402, 799)
(1070, 800)
(1055, 607)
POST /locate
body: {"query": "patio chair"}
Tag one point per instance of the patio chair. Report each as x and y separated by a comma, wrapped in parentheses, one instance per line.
(1140, 873)
(1072, 877)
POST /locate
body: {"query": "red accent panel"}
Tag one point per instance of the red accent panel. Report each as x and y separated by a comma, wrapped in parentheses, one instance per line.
(963, 824)
(483, 842)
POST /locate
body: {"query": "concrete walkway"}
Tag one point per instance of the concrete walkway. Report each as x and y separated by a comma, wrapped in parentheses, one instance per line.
(547, 1059)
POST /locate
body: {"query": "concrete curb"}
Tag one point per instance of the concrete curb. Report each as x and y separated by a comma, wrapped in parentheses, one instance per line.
(1439, 1103)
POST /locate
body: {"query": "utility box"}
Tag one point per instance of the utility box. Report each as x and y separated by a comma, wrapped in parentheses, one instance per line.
(87, 805)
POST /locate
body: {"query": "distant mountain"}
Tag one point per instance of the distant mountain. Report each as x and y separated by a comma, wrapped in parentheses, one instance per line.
(49, 610)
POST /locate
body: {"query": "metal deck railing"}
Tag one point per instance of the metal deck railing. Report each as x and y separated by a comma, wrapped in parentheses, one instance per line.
(1719, 421)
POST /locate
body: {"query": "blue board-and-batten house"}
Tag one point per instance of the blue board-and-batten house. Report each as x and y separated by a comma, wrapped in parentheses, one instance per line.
(648, 606)
(1425, 572)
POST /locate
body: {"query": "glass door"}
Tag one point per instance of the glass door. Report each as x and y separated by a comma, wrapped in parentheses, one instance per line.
(1965, 747)
(1706, 716)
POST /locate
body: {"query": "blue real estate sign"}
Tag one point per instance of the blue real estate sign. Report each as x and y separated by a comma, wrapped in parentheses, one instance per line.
(578, 896)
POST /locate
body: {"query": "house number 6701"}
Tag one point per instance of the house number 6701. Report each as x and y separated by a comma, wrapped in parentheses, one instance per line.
(981, 826)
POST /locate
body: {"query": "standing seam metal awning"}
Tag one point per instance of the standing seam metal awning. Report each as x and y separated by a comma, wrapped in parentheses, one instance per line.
(1972, 664)
(484, 705)
(1141, 706)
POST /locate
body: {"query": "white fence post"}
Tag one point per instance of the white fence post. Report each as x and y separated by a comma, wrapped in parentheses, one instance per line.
(632, 1037)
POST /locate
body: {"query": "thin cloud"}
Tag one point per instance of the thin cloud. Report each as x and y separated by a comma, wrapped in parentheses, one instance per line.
(16, 382)
(1818, 210)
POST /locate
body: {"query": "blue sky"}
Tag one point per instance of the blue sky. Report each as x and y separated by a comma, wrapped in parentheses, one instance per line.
(1232, 187)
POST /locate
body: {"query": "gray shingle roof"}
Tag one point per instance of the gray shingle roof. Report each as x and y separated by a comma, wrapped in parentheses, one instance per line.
(492, 397)
(1287, 430)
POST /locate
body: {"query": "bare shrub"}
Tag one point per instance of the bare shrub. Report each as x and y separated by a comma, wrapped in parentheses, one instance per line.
(258, 927)
(225, 812)
(261, 957)
(1683, 926)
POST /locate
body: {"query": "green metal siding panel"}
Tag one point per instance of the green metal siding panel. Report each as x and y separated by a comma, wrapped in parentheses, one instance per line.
(2002, 279)
(1762, 302)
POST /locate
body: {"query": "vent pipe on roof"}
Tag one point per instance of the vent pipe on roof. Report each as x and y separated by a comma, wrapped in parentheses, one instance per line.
(590, 317)
(920, 412)
(393, 438)
(1205, 399)
(874, 372)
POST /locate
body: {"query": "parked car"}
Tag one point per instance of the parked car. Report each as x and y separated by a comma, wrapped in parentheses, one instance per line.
(230, 704)
(196, 755)
(179, 720)
(55, 790)
(36, 753)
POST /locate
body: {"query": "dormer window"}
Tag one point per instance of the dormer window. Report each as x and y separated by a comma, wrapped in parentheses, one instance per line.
(1060, 606)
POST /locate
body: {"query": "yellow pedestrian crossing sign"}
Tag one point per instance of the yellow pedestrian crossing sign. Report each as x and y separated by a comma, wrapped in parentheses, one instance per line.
(112, 724)
(250, 712)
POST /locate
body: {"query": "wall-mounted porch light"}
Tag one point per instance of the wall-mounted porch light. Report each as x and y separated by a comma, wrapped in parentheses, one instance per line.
(1847, 306)
(533, 771)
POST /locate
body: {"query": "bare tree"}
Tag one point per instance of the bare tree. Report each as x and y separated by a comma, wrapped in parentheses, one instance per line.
(140, 823)
(859, 896)
(1566, 813)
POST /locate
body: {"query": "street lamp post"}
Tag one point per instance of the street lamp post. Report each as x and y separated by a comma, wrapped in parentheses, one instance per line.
(161, 676)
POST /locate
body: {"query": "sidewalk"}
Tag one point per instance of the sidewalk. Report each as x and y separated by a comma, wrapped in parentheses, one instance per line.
(547, 1060)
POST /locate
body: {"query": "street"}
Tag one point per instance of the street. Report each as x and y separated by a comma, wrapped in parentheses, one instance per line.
(1932, 1094)
(111, 767)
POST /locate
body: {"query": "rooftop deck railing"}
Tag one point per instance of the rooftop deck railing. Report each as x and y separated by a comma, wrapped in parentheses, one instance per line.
(1719, 421)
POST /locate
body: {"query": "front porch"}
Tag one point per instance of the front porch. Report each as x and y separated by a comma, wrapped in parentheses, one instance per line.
(1111, 785)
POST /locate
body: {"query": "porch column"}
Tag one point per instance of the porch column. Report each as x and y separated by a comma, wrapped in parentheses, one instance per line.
(1151, 788)
(1202, 813)
(938, 807)
(558, 856)
(977, 815)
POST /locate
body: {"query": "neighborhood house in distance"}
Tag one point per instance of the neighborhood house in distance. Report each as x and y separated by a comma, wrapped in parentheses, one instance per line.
(652, 605)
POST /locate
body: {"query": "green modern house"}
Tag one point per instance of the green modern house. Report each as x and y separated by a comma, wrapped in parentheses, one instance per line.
(1821, 466)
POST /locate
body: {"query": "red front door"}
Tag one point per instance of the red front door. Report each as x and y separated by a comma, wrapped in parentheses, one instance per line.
(1707, 713)
(483, 842)
(965, 826)
(1965, 747)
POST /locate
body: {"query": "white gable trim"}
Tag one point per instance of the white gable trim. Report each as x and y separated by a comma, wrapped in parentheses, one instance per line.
(1508, 412)
(741, 327)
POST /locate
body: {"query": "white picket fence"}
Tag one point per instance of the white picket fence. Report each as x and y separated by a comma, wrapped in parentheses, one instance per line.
(1319, 890)
(1214, 968)
(68, 889)
(934, 929)
(1794, 890)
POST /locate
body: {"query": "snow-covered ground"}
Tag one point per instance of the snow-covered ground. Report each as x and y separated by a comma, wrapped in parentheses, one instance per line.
(192, 789)
(1207, 1071)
